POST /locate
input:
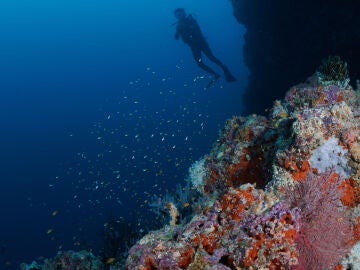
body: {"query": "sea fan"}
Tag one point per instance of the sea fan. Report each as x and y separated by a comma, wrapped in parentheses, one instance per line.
(326, 231)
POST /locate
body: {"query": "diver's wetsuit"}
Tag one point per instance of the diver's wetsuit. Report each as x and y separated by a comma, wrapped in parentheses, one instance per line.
(189, 31)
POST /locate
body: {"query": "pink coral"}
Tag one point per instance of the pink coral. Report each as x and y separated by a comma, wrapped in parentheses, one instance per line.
(326, 231)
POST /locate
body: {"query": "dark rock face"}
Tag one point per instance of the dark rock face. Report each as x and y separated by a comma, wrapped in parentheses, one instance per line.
(287, 39)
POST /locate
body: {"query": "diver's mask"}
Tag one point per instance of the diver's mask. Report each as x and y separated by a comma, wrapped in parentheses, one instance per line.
(179, 13)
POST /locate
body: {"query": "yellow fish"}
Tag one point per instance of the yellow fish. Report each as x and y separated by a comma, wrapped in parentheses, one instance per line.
(109, 260)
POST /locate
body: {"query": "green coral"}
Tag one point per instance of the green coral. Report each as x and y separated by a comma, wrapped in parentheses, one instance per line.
(333, 71)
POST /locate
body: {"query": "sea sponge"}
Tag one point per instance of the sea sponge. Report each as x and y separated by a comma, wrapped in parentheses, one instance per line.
(330, 155)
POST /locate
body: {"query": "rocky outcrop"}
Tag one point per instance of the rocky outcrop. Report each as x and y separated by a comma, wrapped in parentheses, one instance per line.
(277, 192)
(287, 39)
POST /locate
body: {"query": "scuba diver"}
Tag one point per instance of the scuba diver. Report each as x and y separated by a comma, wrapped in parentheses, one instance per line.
(189, 31)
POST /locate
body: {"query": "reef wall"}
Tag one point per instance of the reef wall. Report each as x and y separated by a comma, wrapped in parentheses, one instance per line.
(276, 192)
(287, 39)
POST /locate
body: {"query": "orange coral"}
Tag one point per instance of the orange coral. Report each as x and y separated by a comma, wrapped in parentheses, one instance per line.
(207, 241)
(250, 257)
(298, 171)
(186, 257)
(351, 192)
(340, 97)
(271, 246)
(149, 263)
(249, 169)
(321, 99)
(235, 201)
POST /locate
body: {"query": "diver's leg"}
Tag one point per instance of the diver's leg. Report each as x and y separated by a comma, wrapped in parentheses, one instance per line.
(197, 57)
(207, 51)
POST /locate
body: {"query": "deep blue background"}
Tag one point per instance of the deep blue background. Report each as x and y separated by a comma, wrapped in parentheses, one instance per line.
(94, 95)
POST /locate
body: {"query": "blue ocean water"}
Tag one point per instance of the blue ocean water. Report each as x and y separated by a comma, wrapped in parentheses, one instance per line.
(100, 109)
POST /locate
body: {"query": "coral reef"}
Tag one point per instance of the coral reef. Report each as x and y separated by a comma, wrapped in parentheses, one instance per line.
(276, 192)
(281, 192)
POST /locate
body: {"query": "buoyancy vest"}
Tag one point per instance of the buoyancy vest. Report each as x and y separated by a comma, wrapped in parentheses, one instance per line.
(190, 31)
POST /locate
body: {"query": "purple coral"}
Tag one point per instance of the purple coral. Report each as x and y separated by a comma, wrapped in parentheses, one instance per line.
(331, 93)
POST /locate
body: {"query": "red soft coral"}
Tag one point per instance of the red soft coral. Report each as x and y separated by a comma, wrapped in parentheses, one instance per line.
(326, 231)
